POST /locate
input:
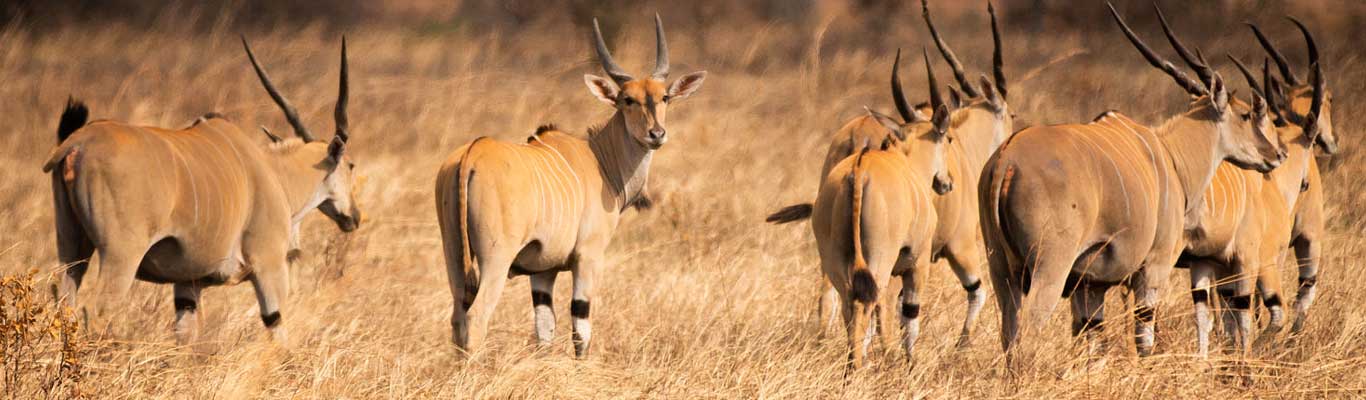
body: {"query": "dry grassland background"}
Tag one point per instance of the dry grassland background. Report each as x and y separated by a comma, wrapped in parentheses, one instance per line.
(700, 298)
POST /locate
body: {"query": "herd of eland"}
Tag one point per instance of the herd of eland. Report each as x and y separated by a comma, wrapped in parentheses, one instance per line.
(1225, 189)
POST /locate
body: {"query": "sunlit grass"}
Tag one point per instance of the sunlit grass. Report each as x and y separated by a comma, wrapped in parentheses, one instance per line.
(700, 298)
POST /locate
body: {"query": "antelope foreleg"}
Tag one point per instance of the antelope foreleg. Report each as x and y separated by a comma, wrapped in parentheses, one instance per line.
(542, 287)
(579, 308)
(272, 287)
(1146, 286)
(1307, 253)
(1202, 277)
(1088, 315)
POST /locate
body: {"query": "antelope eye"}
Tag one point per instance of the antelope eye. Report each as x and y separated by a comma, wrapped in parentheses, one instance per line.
(630, 101)
(667, 98)
(1246, 117)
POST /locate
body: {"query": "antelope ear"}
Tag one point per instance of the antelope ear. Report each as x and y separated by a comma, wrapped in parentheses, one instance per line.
(888, 142)
(336, 149)
(604, 89)
(989, 90)
(1311, 127)
(685, 85)
(271, 136)
(887, 122)
(1219, 95)
(941, 123)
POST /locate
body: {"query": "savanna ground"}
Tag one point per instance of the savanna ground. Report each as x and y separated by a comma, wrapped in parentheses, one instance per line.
(700, 297)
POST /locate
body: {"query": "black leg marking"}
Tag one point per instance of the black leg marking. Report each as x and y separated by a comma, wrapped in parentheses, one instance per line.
(540, 299)
(910, 311)
(1200, 296)
(578, 309)
(271, 319)
(1272, 301)
(294, 255)
(1240, 302)
(1144, 314)
(185, 304)
(470, 292)
(1226, 294)
(1086, 324)
(972, 287)
(1070, 285)
(1310, 281)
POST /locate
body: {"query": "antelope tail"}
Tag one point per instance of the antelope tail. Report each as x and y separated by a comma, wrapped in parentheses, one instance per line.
(464, 176)
(996, 198)
(792, 213)
(863, 288)
(73, 118)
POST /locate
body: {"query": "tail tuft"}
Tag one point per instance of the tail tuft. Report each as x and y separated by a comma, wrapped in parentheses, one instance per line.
(792, 213)
(863, 288)
(73, 118)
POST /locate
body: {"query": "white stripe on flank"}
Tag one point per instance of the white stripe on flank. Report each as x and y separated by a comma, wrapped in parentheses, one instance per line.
(578, 206)
(539, 186)
(1223, 197)
(189, 175)
(218, 175)
(1122, 187)
(1131, 157)
(238, 156)
(548, 214)
(1152, 157)
(562, 188)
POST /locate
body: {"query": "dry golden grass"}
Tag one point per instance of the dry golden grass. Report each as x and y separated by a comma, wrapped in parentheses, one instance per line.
(700, 298)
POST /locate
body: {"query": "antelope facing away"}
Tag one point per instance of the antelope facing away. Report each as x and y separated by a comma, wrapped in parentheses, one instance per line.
(1076, 209)
(874, 219)
(1246, 228)
(196, 207)
(1298, 99)
(980, 122)
(551, 204)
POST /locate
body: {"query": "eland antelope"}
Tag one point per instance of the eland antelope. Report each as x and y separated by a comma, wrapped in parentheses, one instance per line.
(551, 204)
(1075, 209)
(196, 207)
(1247, 221)
(874, 219)
(1307, 232)
(981, 121)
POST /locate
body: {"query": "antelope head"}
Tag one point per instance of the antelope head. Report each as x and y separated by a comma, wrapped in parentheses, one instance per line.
(1245, 134)
(641, 102)
(335, 195)
(923, 140)
(1293, 94)
(1312, 128)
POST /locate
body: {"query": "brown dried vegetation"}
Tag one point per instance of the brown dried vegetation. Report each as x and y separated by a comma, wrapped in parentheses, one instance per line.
(700, 298)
